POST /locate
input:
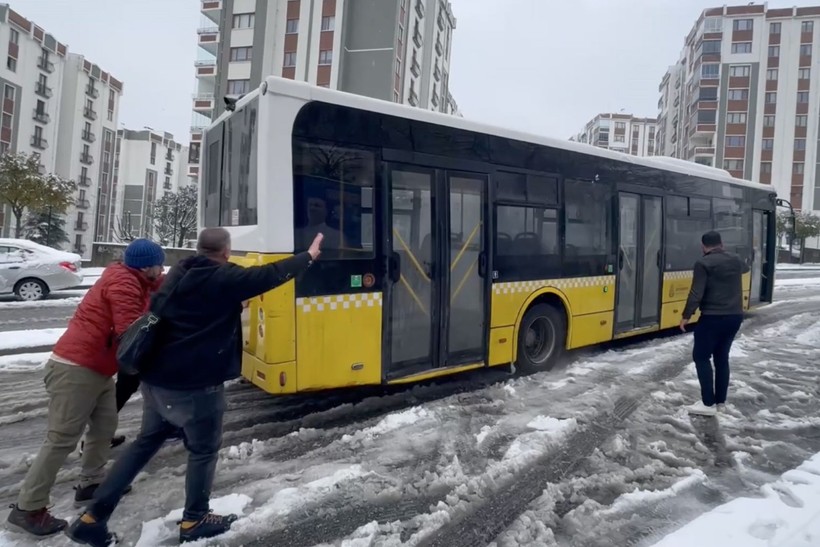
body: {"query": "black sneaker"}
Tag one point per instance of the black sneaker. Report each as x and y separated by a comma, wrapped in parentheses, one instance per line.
(95, 534)
(209, 526)
(84, 495)
(38, 523)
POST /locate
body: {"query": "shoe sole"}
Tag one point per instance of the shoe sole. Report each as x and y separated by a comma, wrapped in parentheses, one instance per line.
(20, 529)
(75, 539)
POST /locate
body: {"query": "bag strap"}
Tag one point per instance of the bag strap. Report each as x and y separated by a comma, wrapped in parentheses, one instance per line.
(161, 302)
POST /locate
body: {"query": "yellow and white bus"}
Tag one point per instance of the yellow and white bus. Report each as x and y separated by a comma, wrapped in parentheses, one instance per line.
(451, 245)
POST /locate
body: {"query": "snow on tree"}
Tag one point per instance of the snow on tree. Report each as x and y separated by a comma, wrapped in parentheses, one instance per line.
(46, 228)
(24, 188)
(806, 226)
(175, 216)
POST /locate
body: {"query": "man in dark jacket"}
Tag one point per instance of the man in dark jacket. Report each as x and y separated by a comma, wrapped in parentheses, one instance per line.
(717, 289)
(199, 348)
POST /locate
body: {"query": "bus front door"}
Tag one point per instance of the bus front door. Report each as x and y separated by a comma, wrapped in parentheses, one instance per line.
(435, 311)
(639, 262)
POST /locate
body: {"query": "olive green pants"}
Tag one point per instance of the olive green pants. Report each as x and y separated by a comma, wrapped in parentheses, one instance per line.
(78, 397)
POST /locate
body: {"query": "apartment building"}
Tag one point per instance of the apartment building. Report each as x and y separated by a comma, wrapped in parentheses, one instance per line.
(621, 133)
(90, 99)
(64, 108)
(395, 50)
(148, 165)
(744, 97)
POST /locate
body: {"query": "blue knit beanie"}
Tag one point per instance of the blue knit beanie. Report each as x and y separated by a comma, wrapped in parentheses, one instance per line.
(143, 253)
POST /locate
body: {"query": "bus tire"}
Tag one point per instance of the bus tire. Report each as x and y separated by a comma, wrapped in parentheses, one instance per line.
(541, 338)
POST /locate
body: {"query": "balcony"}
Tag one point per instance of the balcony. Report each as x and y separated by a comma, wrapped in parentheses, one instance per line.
(209, 39)
(440, 22)
(88, 136)
(92, 91)
(82, 204)
(212, 9)
(166, 185)
(86, 159)
(40, 116)
(205, 69)
(437, 73)
(703, 151)
(80, 249)
(84, 182)
(43, 90)
(420, 8)
(39, 142)
(168, 170)
(415, 68)
(45, 65)
(439, 47)
(80, 226)
(413, 99)
(204, 103)
(90, 113)
(169, 155)
(417, 38)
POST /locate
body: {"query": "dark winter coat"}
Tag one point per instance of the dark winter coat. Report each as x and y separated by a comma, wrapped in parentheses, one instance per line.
(717, 285)
(200, 336)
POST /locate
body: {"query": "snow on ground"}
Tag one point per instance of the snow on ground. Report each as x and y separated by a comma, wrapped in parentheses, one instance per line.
(23, 362)
(403, 467)
(786, 513)
(29, 338)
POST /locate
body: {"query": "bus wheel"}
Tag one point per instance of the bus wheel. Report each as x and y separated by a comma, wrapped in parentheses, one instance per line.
(541, 339)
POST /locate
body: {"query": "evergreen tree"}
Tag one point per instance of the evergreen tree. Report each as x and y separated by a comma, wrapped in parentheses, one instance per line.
(46, 228)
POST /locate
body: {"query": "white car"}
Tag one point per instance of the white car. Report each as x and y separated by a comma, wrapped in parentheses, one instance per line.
(32, 271)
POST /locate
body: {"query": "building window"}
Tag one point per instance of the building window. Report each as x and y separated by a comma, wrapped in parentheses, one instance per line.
(804, 74)
(713, 24)
(9, 92)
(710, 47)
(620, 125)
(710, 71)
(292, 26)
(14, 36)
(735, 141)
(774, 28)
(771, 97)
(768, 121)
(799, 144)
(740, 71)
(619, 138)
(326, 57)
(807, 26)
(290, 59)
(801, 120)
(11, 64)
(736, 117)
(153, 153)
(798, 168)
(738, 94)
(771, 74)
(768, 144)
(241, 54)
(243, 20)
(805, 50)
(328, 23)
(742, 47)
(743, 24)
(733, 165)
(238, 87)
(774, 51)
(766, 168)
(802, 96)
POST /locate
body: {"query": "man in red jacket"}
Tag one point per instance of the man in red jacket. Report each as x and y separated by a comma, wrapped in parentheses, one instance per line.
(80, 386)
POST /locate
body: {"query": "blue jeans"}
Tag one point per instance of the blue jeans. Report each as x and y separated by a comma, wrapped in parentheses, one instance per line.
(199, 414)
(714, 335)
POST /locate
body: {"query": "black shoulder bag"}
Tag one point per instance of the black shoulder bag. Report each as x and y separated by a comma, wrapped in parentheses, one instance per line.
(138, 342)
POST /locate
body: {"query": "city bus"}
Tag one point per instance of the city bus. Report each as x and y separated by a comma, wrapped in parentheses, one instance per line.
(451, 245)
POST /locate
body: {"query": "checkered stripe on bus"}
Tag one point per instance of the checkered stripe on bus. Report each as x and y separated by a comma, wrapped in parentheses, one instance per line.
(339, 302)
(669, 276)
(572, 283)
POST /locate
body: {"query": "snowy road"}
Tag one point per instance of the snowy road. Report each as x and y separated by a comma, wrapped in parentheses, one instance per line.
(598, 453)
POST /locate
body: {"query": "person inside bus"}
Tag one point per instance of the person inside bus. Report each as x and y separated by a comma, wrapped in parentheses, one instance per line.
(317, 216)
(198, 349)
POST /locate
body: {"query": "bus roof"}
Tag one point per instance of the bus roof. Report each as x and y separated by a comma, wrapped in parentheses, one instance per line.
(308, 92)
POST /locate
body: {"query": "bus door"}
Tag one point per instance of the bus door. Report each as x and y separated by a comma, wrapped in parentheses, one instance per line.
(639, 262)
(760, 225)
(435, 301)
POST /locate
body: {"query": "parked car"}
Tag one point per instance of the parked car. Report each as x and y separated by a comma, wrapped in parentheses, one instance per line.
(32, 271)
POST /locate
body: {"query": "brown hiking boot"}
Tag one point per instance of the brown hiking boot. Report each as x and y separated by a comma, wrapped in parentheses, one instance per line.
(38, 523)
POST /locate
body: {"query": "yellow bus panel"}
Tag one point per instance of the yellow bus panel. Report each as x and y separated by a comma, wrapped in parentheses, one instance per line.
(593, 328)
(501, 346)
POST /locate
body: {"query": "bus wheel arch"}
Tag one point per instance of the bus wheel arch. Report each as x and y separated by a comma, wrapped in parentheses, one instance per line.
(542, 332)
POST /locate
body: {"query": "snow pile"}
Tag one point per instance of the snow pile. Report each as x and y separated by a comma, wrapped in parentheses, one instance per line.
(23, 362)
(788, 514)
(29, 338)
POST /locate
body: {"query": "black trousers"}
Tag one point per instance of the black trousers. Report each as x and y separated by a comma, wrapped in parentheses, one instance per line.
(714, 335)
(127, 385)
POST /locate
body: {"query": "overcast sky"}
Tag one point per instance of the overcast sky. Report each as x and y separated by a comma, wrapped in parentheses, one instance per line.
(543, 66)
